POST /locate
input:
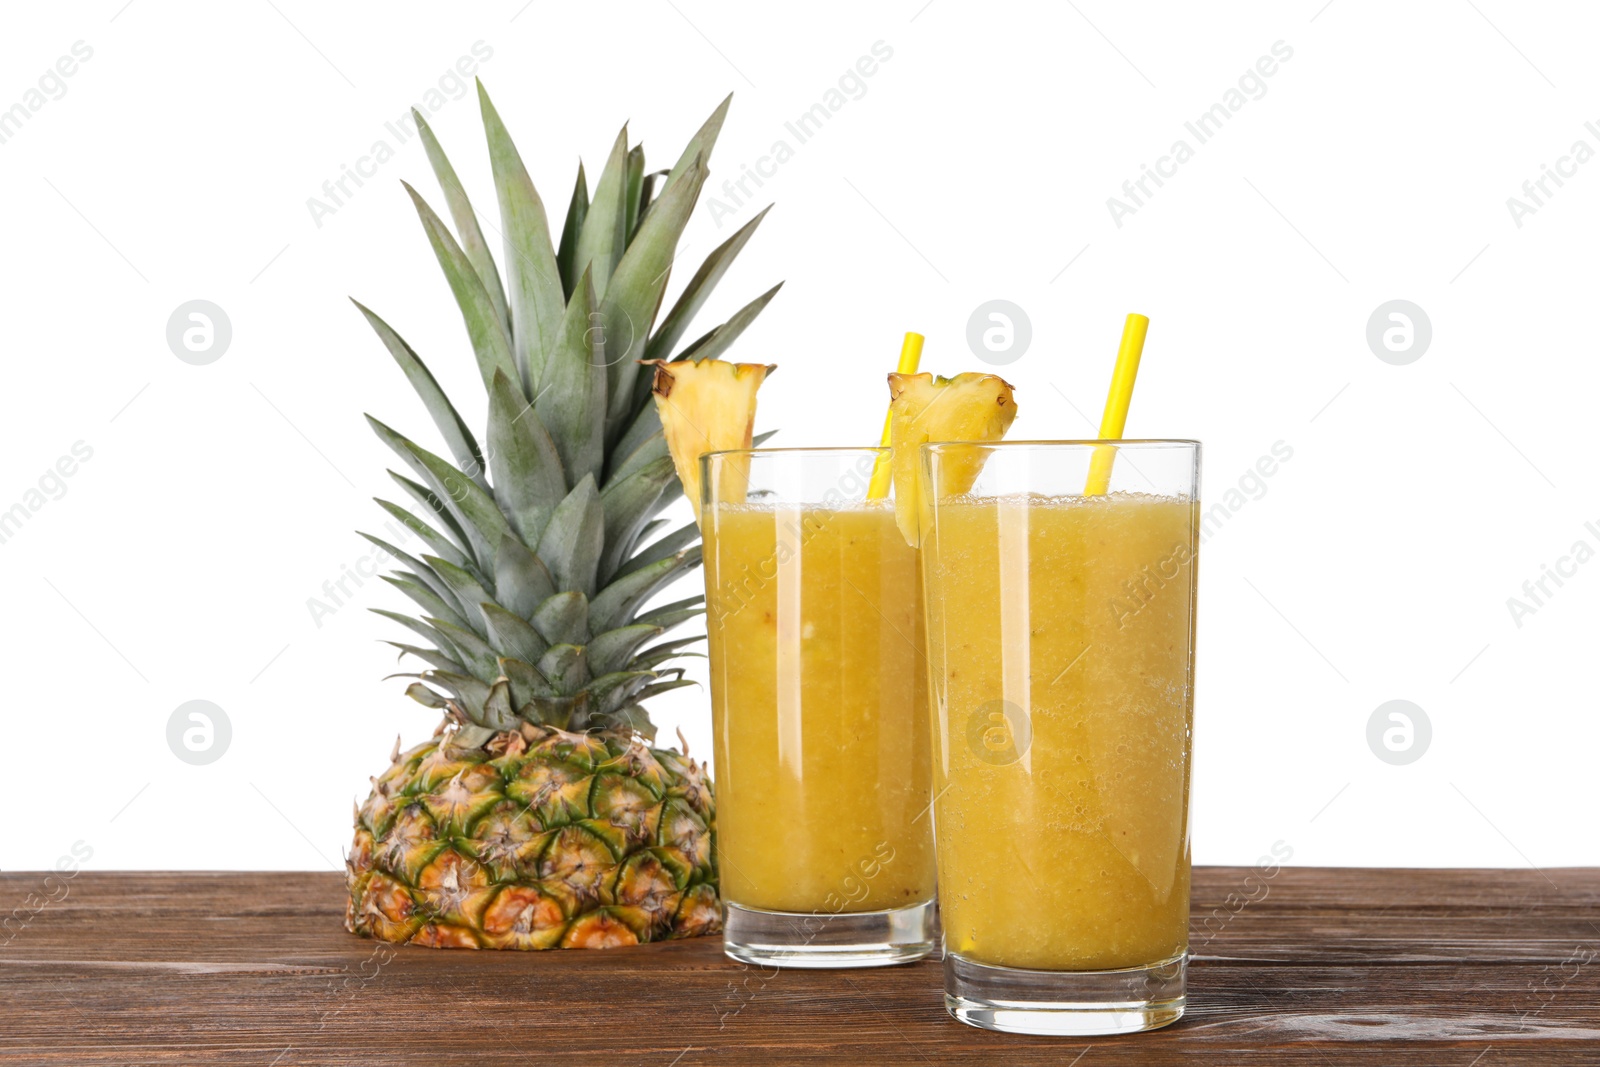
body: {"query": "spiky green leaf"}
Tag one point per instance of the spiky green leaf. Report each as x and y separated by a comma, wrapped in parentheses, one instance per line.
(609, 692)
(475, 510)
(563, 618)
(511, 635)
(703, 141)
(645, 426)
(452, 427)
(466, 589)
(566, 667)
(718, 341)
(663, 687)
(497, 711)
(628, 502)
(676, 613)
(432, 657)
(614, 606)
(652, 449)
(435, 540)
(471, 694)
(662, 547)
(476, 654)
(573, 540)
(419, 569)
(614, 649)
(631, 301)
(471, 736)
(528, 480)
(633, 198)
(426, 598)
(439, 495)
(397, 443)
(635, 718)
(484, 327)
(521, 582)
(699, 289)
(421, 629)
(571, 401)
(459, 685)
(527, 683)
(649, 530)
(444, 516)
(466, 220)
(666, 650)
(604, 234)
(425, 696)
(536, 297)
(562, 712)
(567, 254)
(647, 193)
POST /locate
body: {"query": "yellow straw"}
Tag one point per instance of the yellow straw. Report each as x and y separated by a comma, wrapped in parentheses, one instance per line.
(1117, 401)
(910, 357)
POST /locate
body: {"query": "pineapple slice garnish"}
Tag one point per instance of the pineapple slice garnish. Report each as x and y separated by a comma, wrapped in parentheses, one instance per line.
(969, 407)
(705, 406)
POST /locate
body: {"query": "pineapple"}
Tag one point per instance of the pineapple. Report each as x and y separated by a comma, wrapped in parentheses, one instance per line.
(541, 814)
(922, 408)
(705, 406)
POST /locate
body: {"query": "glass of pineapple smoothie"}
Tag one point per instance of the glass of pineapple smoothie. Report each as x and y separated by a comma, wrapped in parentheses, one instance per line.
(1061, 658)
(819, 700)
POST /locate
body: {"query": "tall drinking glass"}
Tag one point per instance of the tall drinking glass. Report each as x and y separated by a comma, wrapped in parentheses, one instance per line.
(1061, 653)
(819, 702)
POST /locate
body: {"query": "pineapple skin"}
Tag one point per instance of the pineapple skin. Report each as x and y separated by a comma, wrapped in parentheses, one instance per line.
(541, 839)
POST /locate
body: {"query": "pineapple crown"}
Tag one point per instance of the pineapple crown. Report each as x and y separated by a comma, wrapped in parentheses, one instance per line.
(543, 540)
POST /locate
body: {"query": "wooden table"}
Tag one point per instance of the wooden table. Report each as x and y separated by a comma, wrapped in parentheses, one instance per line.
(1475, 968)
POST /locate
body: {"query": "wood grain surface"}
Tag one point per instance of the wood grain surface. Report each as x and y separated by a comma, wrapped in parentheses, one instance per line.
(1476, 968)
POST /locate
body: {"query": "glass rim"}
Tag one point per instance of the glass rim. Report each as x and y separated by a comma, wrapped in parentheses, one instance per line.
(793, 450)
(1073, 442)
(1086, 442)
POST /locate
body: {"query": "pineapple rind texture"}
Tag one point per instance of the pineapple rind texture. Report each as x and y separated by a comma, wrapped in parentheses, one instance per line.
(544, 839)
(540, 815)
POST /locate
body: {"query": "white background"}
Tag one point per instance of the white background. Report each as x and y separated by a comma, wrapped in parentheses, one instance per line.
(976, 165)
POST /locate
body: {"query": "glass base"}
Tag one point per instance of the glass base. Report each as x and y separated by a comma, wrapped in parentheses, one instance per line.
(821, 939)
(1075, 1003)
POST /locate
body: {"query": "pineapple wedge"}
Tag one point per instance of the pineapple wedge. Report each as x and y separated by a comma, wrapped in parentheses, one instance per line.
(707, 405)
(969, 407)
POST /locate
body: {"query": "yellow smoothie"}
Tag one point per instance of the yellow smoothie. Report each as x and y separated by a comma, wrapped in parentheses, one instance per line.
(1059, 640)
(819, 698)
